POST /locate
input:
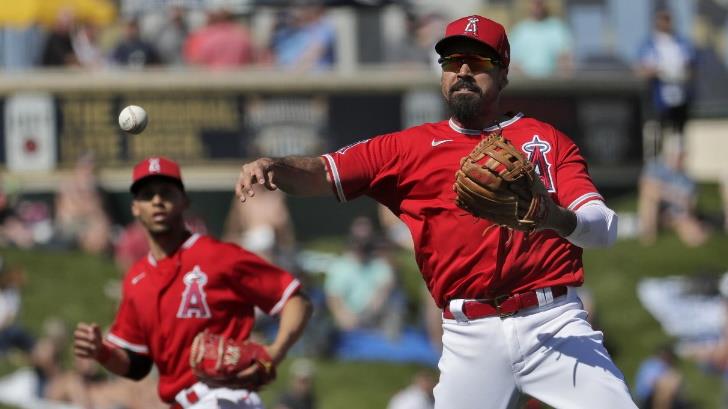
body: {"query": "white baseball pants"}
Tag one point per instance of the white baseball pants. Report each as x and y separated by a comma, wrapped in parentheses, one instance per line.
(219, 398)
(549, 352)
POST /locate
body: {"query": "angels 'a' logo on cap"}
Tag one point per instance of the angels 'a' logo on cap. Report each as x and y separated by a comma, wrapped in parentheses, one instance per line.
(472, 26)
(154, 166)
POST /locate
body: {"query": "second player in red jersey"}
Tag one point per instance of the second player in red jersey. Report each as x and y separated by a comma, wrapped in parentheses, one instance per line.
(189, 283)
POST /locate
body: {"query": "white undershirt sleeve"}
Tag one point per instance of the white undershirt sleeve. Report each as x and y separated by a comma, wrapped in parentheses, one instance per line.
(596, 226)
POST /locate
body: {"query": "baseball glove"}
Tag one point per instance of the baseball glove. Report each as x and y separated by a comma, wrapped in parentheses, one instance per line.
(496, 182)
(217, 360)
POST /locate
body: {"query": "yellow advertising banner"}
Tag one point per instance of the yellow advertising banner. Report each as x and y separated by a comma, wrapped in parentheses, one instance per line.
(45, 12)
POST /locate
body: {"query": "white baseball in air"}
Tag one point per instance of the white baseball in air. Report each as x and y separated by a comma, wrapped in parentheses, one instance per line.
(133, 119)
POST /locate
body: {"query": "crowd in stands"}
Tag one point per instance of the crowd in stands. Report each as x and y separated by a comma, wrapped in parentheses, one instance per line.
(300, 38)
(295, 35)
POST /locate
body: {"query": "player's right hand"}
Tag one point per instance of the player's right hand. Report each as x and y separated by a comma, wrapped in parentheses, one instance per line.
(259, 171)
(87, 341)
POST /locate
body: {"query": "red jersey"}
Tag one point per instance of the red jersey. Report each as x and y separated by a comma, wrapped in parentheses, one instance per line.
(204, 284)
(412, 173)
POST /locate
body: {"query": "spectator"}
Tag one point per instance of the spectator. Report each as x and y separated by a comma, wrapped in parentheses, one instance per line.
(658, 383)
(20, 46)
(418, 395)
(85, 41)
(264, 228)
(541, 45)
(81, 218)
(86, 386)
(36, 217)
(303, 39)
(46, 356)
(667, 60)
(46, 383)
(75, 386)
(300, 393)
(133, 51)
(394, 229)
(667, 196)
(130, 246)
(712, 355)
(13, 232)
(396, 232)
(58, 50)
(361, 290)
(12, 335)
(169, 37)
(417, 48)
(222, 43)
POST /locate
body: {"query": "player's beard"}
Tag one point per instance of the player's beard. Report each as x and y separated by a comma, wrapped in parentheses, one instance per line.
(465, 108)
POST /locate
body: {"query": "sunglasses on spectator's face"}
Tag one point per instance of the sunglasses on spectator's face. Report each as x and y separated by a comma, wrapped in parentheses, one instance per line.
(476, 63)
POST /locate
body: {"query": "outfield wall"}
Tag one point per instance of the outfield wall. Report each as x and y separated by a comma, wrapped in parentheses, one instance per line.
(210, 121)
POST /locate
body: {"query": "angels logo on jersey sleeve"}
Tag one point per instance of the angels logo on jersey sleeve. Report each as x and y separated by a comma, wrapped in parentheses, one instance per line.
(194, 303)
(537, 150)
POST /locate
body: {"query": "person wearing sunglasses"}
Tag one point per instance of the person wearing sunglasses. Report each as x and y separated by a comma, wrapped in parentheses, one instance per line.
(513, 324)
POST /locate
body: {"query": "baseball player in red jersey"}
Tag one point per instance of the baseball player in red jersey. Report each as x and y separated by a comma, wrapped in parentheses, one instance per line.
(189, 283)
(512, 322)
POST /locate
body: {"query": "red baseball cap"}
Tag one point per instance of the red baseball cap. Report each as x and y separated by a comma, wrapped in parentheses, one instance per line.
(156, 166)
(479, 29)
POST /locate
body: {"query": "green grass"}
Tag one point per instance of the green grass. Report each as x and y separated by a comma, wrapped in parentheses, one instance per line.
(612, 274)
(351, 384)
(70, 286)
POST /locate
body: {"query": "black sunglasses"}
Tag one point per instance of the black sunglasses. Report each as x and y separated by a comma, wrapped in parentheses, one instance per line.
(476, 63)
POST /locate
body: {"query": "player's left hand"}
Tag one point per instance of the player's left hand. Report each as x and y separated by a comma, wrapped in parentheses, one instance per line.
(223, 362)
(254, 377)
(496, 182)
